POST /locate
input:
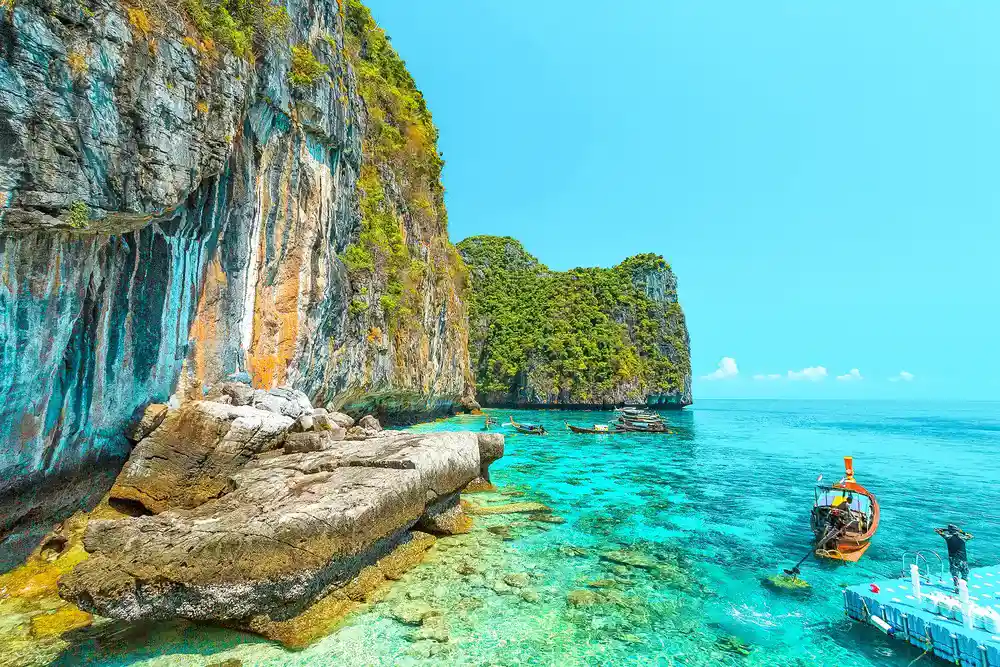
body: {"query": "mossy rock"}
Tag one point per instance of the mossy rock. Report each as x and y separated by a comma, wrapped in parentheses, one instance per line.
(406, 556)
(479, 485)
(582, 598)
(509, 508)
(58, 554)
(733, 645)
(64, 619)
(313, 624)
(784, 583)
(572, 551)
(635, 559)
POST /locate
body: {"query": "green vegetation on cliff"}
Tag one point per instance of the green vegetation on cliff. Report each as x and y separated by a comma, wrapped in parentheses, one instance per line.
(400, 188)
(235, 23)
(587, 335)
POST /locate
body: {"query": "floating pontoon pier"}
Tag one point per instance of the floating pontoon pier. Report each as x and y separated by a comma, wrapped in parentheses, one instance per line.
(925, 611)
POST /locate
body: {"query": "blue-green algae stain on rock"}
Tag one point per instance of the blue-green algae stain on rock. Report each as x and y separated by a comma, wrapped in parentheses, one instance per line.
(656, 547)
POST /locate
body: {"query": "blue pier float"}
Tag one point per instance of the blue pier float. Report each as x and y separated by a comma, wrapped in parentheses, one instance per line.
(949, 639)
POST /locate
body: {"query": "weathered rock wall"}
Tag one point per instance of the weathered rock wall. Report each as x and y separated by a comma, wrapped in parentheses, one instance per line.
(172, 214)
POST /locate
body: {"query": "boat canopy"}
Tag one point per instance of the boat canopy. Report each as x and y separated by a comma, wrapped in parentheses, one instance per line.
(831, 496)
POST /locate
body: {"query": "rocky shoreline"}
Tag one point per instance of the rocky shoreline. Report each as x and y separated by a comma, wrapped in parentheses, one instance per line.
(257, 512)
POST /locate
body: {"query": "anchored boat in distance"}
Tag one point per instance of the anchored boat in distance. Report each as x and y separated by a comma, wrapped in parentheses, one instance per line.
(530, 429)
(630, 420)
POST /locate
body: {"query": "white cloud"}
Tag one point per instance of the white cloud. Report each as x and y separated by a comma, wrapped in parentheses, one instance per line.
(851, 376)
(769, 376)
(902, 377)
(813, 374)
(727, 369)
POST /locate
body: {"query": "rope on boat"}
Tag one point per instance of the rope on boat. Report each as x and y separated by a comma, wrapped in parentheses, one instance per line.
(926, 651)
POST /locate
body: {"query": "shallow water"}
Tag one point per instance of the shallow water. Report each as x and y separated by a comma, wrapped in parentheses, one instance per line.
(703, 515)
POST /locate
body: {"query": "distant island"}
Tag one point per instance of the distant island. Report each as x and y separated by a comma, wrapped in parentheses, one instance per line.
(587, 337)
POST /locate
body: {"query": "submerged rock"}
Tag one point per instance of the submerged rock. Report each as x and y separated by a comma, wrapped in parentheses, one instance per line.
(432, 628)
(404, 558)
(413, 612)
(511, 508)
(630, 558)
(784, 583)
(518, 580)
(582, 598)
(479, 485)
(502, 588)
(572, 551)
(61, 620)
(229, 662)
(445, 516)
(733, 645)
(502, 531)
(470, 604)
(467, 569)
(298, 632)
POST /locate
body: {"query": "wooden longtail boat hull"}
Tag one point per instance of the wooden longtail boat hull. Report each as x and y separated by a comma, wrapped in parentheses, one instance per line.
(843, 552)
(580, 429)
(528, 429)
(856, 539)
(644, 426)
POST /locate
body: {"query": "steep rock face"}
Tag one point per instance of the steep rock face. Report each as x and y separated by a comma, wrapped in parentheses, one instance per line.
(585, 337)
(174, 212)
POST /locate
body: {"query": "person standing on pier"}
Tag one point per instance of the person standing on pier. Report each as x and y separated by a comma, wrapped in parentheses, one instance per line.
(957, 556)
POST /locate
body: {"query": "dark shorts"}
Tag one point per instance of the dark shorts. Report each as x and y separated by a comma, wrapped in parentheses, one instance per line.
(959, 568)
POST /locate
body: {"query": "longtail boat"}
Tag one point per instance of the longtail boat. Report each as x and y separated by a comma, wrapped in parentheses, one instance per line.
(844, 518)
(598, 428)
(643, 426)
(530, 429)
(634, 412)
(641, 421)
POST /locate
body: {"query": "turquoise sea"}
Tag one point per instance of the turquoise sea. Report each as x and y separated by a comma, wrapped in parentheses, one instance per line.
(705, 513)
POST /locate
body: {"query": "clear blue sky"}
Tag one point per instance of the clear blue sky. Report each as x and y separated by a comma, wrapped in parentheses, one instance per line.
(822, 175)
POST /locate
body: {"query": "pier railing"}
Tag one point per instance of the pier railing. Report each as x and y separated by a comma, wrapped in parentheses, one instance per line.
(920, 557)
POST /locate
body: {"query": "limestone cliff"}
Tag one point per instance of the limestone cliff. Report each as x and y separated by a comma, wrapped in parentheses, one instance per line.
(192, 191)
(585, 337)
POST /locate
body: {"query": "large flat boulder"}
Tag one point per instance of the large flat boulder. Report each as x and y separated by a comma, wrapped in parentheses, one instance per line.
(189, 457)
(289, 529)
(490, 449)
